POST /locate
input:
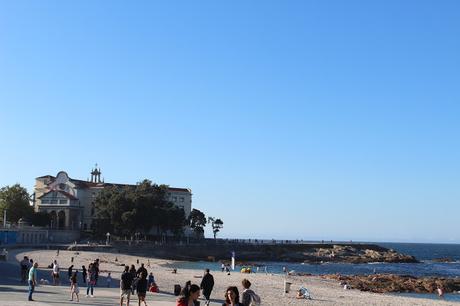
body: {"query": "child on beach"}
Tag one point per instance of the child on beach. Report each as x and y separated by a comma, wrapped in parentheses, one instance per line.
(74, 290)
(109, 280)
(249, 297)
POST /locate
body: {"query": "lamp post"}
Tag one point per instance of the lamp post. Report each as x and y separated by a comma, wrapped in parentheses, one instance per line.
(4, 218)
(107, 242)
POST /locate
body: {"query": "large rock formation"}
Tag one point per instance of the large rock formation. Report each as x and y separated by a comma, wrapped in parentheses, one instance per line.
(383, 283)
(308, 253)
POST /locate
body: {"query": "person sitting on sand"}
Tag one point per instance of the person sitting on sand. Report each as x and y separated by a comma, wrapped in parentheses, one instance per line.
(232, 297)
(189, 295)
(151, 279)
(303, 293)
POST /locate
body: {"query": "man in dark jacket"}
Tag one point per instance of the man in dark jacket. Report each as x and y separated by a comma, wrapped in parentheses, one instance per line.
(207, 283)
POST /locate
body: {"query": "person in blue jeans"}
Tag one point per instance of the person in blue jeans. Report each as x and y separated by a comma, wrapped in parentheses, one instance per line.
(32, 280)
(90, 280)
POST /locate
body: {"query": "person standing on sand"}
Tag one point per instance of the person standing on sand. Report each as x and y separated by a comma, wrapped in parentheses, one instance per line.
(440, 292)
(190, 295)
(55, 273)
(90, 280)
(133, 273)
(70, 272)
(207, 283)
(232, 297)
(125, 286)
(24, 265)
(83, 274)
(32, 280)
(96, 271)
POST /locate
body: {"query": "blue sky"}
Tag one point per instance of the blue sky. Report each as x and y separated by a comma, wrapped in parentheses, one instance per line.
(287, 119)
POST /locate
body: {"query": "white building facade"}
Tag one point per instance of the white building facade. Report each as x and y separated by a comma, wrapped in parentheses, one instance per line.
(71, 202)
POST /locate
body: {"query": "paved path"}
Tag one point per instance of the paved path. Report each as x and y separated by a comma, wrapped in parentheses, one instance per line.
(13, 293)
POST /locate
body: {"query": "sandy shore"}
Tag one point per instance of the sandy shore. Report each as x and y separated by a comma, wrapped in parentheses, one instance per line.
(268, 286)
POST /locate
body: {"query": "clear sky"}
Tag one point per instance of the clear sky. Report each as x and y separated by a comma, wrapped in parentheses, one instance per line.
(287, 119)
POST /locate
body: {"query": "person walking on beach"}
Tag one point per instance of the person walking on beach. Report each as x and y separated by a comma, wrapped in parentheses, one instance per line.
(83, 274)
(32, 280)
(207, 283)
(189, 295)
(74, 290)
(141, 287)
(133, 273)
(232, 297)
(55, 273)
(249, 297)
(125, 286)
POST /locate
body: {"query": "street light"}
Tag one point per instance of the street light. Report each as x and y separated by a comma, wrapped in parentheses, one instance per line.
(107, 242)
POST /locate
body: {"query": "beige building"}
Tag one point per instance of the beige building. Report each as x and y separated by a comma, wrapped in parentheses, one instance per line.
(70, 202)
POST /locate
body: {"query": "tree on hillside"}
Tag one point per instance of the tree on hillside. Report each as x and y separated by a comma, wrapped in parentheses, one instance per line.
(197, 222)
(216, 224)
(15, 200)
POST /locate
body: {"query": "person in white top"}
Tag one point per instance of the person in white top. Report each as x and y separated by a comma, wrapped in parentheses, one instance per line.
(55, 273)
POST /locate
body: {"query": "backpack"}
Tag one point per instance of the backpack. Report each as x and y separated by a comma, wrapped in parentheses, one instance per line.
(255, 300)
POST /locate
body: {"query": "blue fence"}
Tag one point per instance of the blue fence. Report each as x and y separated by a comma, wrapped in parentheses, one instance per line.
(8, 237)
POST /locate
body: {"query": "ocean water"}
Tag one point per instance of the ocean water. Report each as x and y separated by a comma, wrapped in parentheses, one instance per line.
(423, 252)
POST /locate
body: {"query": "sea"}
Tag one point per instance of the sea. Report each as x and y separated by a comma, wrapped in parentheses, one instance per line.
(424, 252)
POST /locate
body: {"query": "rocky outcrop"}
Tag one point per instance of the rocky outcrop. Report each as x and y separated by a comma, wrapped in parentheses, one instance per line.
(383, 283)
(308, 253)
(356, 254)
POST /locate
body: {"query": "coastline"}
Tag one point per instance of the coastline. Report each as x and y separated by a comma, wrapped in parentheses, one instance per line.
(268, 286)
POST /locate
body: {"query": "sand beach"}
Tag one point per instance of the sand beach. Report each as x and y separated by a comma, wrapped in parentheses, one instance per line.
(268, 286)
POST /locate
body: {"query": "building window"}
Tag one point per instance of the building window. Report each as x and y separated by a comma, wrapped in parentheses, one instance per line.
(53, 201)
(62, 201)
(92, 211)
(45, 201)
(181, 199)
(174, 199)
